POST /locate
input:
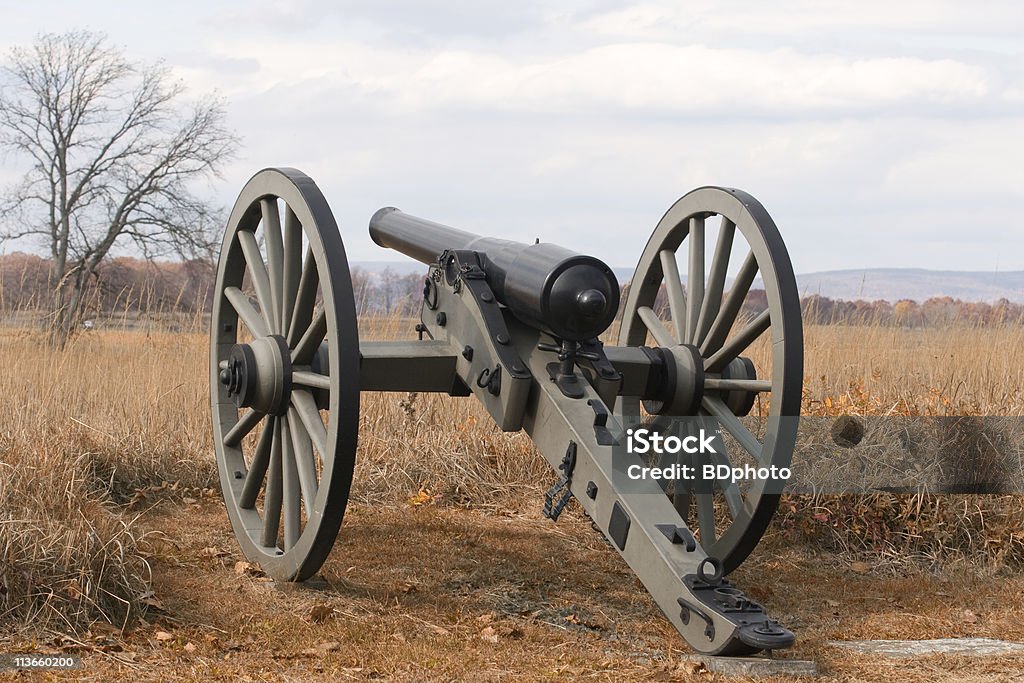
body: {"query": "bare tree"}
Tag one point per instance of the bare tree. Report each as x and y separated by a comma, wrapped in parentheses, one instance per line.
(112, 157)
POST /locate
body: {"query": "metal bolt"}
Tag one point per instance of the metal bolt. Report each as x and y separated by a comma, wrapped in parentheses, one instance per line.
(486, 296)
(501, 339)
(442, 319)
(467, 352)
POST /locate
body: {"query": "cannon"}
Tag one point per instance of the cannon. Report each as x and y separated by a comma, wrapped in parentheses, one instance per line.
(519, 327)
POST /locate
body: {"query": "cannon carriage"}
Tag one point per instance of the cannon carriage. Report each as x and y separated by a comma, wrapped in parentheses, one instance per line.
(518, 327)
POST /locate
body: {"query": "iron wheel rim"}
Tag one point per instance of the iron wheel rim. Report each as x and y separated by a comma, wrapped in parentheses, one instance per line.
(301, 551)
(768, 252)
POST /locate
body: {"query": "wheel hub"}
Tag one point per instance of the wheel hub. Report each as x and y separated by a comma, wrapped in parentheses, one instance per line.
(681, 385)
(739, 402)
(258, 375)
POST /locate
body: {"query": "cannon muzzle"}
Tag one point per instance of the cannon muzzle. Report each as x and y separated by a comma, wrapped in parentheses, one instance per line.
(570, 295)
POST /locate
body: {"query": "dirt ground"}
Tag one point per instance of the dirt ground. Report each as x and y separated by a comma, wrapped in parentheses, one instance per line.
(429, 593)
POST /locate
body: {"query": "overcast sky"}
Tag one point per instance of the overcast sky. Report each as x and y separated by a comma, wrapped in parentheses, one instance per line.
(875, 133)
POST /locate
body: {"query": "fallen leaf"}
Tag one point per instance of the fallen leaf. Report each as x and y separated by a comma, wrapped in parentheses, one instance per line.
(399, 637)
(150, 600)
(832, 603)
(860, 567)
(692, 667)
(100, 629)
(423, 497)
(969, 617)
(74, 589)
(321, 613)
(190, 647)
(163, 635)
(329, 646)
(489, 635)
(212, 552)
(188, 501)
(247, 568)
(512, 632)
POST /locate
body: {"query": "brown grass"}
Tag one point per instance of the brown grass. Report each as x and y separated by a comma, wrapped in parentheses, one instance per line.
(90, 435)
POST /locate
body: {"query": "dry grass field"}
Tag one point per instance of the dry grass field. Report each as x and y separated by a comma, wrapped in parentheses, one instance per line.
(113, 542)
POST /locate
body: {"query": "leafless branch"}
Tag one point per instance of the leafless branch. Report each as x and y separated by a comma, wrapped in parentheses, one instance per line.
(111, 155)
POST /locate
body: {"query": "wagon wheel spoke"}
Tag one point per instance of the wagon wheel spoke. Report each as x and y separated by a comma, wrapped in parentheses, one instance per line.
(674, 288)
(730, 307)
(249, 315)
(654, 325)
(257, 274)
(695, 278)
(730, 491)
(739, 342)
(292, 496)
(750, 385)
(706, 517)
(311, 379)
(311, 339)
(705, 497)
(272, 493)
(716, 280)
(258, 467)
(305, 407)
(292, 269)
(275, 259)
(732, 424)
(250, 418)
(305, 300)
(305, 459)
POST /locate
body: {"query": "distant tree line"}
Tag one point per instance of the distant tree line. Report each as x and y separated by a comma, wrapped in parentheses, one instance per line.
(118, 286)
(134, 286)
(934, 312)
(126, 285)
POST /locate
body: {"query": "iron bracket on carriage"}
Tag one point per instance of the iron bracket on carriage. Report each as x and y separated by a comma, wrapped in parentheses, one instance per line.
(518, 327)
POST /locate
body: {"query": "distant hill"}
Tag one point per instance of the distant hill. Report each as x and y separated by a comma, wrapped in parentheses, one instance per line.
(890, 284)
(918, 284)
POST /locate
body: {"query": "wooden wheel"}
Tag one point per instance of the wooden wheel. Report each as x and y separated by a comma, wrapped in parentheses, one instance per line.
(706, 343)
(284, 344)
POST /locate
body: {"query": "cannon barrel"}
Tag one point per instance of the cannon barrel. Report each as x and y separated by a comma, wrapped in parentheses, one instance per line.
(570, 295)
